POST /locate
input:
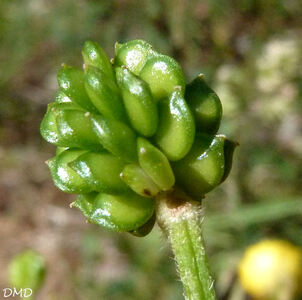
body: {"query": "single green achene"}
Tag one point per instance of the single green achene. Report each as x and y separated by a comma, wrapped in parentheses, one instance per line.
(139, 145)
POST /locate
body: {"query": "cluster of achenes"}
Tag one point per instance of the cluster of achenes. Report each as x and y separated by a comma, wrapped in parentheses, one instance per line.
(129, 129)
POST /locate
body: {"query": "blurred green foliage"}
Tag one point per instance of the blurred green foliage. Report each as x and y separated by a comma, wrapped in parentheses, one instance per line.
(250, 53)
(27, 270)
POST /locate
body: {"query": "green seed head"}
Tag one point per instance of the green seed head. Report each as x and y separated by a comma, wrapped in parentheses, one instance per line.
(130, 129)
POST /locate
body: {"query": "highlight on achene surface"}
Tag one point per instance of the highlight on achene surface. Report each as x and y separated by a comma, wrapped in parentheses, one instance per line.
(130, 134)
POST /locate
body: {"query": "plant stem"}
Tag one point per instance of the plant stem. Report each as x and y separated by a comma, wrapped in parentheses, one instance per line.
(180, 219)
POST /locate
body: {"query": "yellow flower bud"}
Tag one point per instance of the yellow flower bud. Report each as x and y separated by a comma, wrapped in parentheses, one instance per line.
(271, 270)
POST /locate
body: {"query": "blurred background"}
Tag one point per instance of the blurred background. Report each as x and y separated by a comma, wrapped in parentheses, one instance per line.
(250, 52)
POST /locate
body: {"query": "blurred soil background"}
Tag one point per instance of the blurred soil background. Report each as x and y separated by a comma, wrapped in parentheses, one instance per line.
(251, 54)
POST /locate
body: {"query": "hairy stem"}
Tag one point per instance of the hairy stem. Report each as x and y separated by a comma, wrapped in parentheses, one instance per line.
(180, 219)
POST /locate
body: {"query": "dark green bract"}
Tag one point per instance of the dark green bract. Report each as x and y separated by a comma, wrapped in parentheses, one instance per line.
(129, 129)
